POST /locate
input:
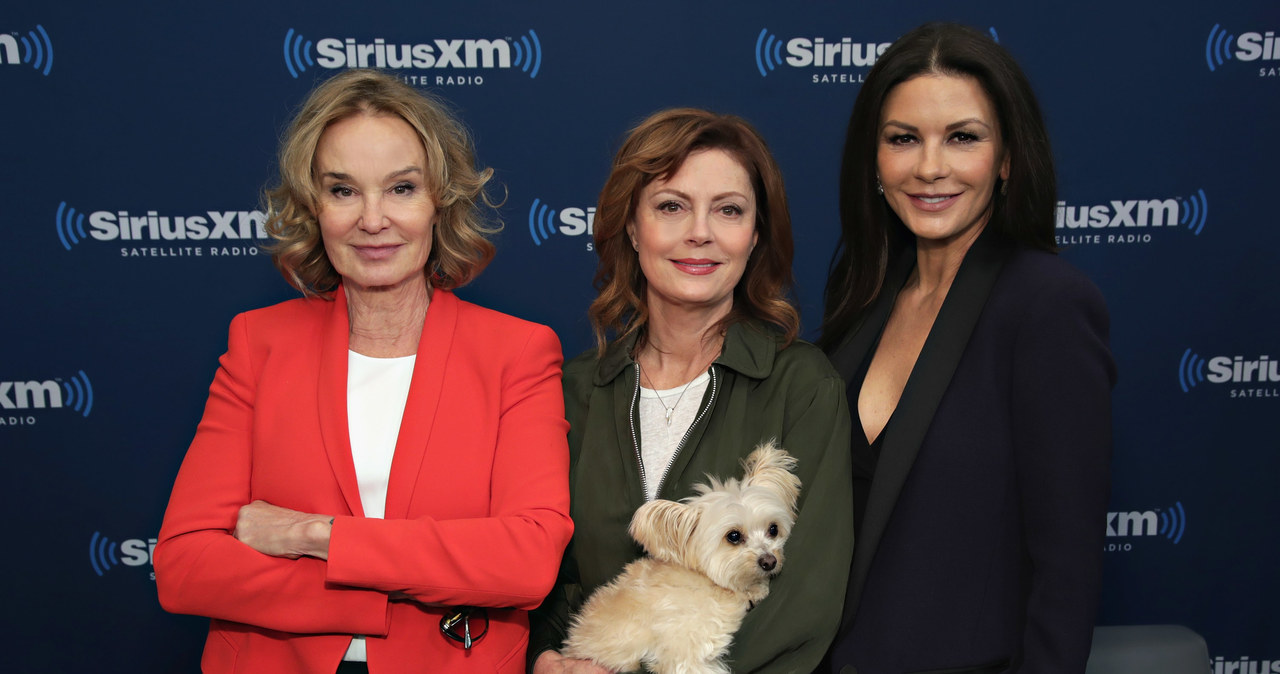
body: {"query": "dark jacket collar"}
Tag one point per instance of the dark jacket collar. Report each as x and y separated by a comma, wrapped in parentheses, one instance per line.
(750, 348)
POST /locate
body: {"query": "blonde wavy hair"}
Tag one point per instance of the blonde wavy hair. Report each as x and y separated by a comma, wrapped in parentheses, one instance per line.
(656, 149)
(461, 248)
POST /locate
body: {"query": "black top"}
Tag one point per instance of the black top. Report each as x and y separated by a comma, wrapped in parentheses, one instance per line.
(865, 454)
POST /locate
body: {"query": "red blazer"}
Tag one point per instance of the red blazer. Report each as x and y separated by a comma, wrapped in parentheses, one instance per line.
(477, 509)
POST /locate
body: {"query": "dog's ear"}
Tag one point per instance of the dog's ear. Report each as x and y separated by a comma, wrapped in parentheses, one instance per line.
(665, 528)
(770, 466)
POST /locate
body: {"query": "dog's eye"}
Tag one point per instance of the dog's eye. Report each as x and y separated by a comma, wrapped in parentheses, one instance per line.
(773, 531)
(734, 537)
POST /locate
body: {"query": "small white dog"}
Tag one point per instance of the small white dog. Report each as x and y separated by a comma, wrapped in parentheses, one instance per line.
(710, 560)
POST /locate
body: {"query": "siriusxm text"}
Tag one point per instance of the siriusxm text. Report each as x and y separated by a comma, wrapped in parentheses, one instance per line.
(1239, 370)
(335, 53)
(137, 552)
(22, 395)
(121, 225)
(803, 52)
(1245, 666)
(575, 221)
(8, 49)
(1254, 46)
(1131, 213)
(1134, 523)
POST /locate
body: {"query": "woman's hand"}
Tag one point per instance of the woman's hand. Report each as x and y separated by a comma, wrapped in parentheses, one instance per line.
(551, 662)
(281, 532)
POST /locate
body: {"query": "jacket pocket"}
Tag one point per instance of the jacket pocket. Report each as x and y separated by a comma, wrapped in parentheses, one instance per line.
(220, 653)
(515, 660)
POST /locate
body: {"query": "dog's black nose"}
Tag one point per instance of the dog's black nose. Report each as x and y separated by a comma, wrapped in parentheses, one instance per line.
(768, 561)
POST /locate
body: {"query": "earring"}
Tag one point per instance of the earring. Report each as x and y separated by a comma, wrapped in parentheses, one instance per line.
(1004, 188)
(879, 187)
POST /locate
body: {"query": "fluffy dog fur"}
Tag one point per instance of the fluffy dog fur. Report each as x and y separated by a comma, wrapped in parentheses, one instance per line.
(710, 559)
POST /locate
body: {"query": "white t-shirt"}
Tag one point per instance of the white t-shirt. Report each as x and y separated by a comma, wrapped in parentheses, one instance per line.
(658, 439)
(377, 389)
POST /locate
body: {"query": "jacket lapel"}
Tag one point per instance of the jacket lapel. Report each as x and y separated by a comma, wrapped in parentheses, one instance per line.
(438, 332)
(929, 379)
(616, 363)
(848, 357)
(332, 401)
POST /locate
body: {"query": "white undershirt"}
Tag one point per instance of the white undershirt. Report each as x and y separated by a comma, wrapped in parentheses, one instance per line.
(377, 389)
(658, 440)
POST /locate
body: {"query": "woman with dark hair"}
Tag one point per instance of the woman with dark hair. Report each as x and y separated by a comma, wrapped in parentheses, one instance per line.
(694, 239)
(978, 374)
(378, 482)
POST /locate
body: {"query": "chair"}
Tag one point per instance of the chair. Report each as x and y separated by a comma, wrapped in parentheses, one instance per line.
(1147, 649)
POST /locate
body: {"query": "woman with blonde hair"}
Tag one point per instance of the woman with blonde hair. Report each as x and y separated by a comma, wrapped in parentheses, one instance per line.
(378, 482)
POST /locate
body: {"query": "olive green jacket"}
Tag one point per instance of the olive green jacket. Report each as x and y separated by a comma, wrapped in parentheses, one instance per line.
(756, 393)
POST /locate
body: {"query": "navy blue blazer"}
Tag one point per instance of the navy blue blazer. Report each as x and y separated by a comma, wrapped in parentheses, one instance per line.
(981, 545)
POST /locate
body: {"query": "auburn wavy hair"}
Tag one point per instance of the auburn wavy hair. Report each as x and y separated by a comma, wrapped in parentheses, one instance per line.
(656, 149)
(461, 248)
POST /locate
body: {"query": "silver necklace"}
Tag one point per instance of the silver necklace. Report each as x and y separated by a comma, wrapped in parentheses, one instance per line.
(669, 410)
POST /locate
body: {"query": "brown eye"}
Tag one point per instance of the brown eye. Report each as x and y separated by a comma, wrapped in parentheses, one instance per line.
(734, 537)
(773, 531)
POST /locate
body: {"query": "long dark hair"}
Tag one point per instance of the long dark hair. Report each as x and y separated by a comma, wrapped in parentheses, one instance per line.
(871, 234)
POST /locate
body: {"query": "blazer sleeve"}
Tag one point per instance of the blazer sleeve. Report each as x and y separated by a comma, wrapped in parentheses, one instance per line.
(510, 557)
(201, 569)
(1062, 379)
(549, 623)
(791, 629)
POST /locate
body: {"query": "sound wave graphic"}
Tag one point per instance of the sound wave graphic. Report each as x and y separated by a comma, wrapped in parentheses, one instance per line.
(1190, 370)
(1173, 522)
(102, 554)
(1197, 213)
(297, 53)
(529, 59)
(37, 49)
(69, 225)
(78, 393)
(768, 52)
(541, 222)
(1217, 48)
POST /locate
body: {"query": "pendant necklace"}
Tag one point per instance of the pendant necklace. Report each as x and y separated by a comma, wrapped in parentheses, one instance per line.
(669, 410)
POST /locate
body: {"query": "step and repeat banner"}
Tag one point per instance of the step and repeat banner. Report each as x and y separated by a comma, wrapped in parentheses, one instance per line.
(137, 142)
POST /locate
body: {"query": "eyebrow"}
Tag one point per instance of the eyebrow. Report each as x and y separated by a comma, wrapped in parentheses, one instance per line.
(715, 197)
(950, 127)
(337, 175)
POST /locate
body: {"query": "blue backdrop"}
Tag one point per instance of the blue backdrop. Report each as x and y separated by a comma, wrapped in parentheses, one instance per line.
(137, 142)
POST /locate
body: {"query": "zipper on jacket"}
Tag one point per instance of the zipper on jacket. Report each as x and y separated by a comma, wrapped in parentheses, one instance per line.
(644, 483)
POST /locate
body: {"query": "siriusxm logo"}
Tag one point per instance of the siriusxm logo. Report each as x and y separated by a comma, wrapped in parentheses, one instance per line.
(817, 52)
(105, 554)
(69, 224)
(1245, 665)
(37, 49)
(1229, 370)
(524, 52)
(1191, 212)
(1171, 523)
(74, 392)
(1251, 46)
(544, 222)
